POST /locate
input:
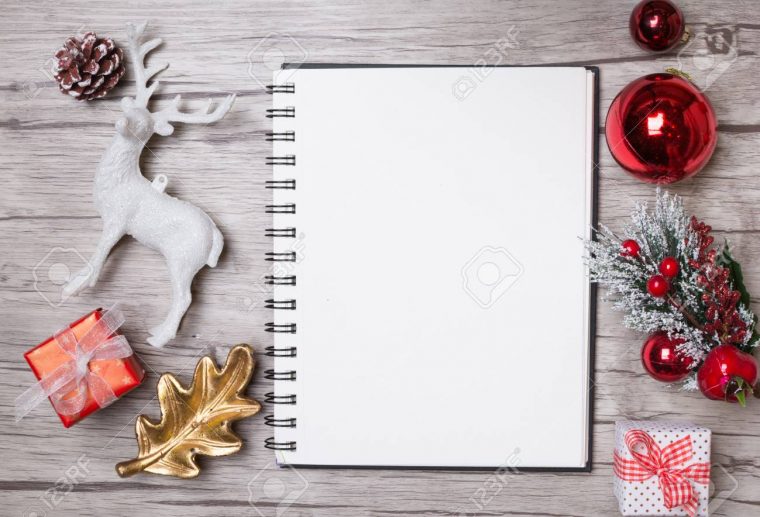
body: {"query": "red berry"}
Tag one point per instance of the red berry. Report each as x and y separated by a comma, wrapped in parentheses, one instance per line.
(726, 372)
(657, 286)
(669, 267)
(631, 248)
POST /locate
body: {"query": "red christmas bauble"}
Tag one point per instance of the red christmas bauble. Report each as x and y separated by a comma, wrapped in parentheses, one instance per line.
(631, 248)
(669, 267)
(661, 128)
(726, 371)
(657, 286)
(656, 25)
(661, 359)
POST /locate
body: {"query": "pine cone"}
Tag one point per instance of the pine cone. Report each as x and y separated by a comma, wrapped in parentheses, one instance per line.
(88, 67)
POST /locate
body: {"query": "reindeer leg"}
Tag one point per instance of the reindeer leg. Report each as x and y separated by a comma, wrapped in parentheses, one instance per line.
(88, 275)
(181, 278)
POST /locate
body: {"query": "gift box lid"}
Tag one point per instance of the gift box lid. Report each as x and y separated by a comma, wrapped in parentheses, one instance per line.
(664, 427)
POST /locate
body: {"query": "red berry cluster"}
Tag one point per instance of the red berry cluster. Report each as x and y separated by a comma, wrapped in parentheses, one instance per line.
(657, 285)
(720, 306)
(705, 255)
(727, 373)
(720, 299)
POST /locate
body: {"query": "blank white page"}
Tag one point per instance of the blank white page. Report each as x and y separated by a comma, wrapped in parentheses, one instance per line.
(442, 314)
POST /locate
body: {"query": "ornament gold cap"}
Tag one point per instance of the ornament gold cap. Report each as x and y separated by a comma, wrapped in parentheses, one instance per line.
(686, 36)
(679, 73)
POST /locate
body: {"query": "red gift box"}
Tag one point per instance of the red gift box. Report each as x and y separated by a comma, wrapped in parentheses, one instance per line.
(120, 375)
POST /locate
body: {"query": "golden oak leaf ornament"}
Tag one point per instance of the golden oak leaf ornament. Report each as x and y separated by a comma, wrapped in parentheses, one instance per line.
(195, 420)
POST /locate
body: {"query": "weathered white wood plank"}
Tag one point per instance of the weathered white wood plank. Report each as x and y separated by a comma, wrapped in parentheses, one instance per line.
(50, 146)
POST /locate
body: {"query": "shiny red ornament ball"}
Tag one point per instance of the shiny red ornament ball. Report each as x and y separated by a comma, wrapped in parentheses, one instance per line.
(726, 373)
(662, 360)
(657, 25)
(669, 267)
(661, 128)
(631, 248)
(657, 286)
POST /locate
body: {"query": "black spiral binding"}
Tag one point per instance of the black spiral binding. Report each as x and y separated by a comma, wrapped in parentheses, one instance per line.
(281, 184)
(271, 398)
(280, 232)
(279, 422)
(289, 256)
(281, 88)
(289, 112)
(281, 160)
(283, 136)
(273, 351)
(280, 328)
(269, 443)
(273, 375)
(288, 208)
(280, 280)
(281, 304)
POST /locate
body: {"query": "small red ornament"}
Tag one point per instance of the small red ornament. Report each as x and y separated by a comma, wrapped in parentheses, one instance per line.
(661, 359)
(657, 286)
(727, 374)
(631, 248)
(669, 267)
(661, 128)
(657, 25)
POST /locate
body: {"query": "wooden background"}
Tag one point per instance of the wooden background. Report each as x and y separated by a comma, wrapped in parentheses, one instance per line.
(51, 144)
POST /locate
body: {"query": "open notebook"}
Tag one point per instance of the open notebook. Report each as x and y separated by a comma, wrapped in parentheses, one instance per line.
(431, 305)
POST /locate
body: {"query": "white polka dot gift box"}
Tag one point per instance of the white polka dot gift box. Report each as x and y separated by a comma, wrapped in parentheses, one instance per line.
(661, 468)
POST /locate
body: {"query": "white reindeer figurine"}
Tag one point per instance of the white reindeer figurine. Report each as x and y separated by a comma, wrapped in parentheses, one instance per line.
(129, 204)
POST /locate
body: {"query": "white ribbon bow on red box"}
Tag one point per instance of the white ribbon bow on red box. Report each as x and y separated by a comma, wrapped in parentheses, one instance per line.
(68, 385)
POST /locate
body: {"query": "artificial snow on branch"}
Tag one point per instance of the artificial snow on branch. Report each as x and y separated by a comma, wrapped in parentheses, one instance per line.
(665, 274)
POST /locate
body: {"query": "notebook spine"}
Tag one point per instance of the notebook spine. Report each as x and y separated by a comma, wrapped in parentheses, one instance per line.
(283, 259)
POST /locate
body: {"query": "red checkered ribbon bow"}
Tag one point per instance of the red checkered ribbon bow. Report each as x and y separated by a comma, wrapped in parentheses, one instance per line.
(666, 463)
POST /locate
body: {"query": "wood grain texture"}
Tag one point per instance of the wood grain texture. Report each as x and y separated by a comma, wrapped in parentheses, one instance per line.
(50, 146)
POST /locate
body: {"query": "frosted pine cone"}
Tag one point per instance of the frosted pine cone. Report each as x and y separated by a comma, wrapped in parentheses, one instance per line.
(88, 67)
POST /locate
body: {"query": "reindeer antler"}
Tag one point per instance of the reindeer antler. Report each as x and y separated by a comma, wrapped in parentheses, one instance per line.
(137, 53)
(202, 116)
